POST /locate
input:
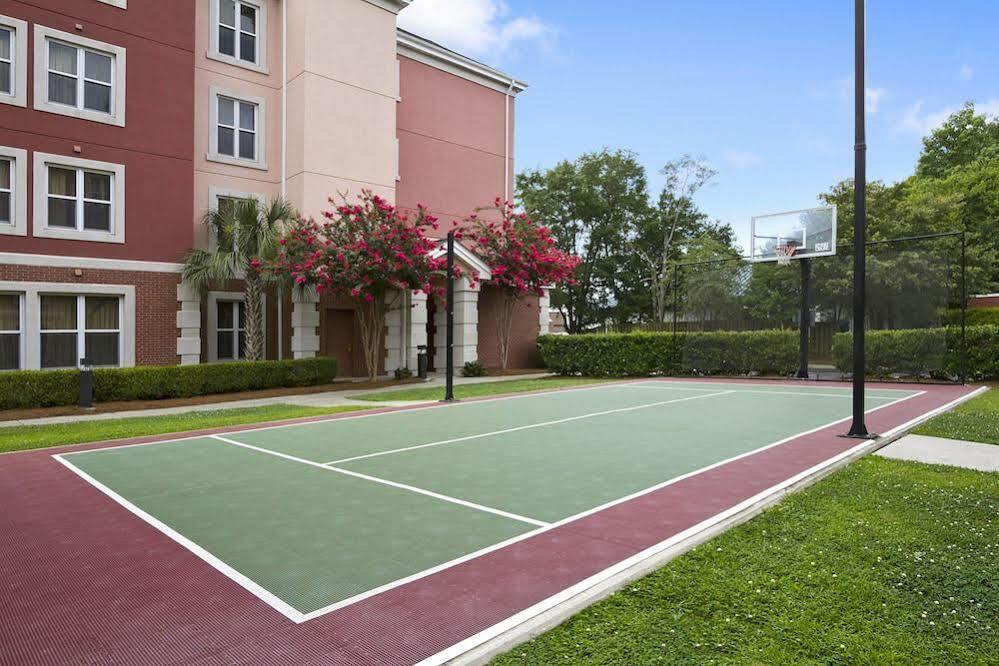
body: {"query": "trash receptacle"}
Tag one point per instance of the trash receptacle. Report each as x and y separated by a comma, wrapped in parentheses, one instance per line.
(421, 361)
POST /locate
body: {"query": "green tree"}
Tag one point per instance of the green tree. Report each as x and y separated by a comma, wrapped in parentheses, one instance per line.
(962, 139)
(592, 205)
(244, 234)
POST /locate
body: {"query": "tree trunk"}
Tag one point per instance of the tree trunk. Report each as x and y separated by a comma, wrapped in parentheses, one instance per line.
(371, 315)
(254, 317)
(505, 320)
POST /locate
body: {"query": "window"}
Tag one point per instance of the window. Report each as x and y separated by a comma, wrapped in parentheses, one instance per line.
(230, 330)
(13, 188)
(10, 331)
(79, 327)
(13, 61)
(237, 131)
(79, 77)
(79, 199)
(238, 33)
(238, 30)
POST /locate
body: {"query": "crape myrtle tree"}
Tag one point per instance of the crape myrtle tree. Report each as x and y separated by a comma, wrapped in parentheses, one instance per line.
(245, 234)
(370, 252)
(522, 258)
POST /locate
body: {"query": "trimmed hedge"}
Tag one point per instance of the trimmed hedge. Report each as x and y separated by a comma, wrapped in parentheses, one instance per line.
(642, 354)
(973, 317)
(48, 388)
(932, 352)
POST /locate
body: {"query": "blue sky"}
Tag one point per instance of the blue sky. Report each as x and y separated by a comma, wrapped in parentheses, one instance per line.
(761, 89)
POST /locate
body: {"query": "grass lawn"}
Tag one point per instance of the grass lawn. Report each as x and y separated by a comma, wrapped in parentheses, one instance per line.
(975, 421)
(22, 438)
(462, 391)
(885, 562)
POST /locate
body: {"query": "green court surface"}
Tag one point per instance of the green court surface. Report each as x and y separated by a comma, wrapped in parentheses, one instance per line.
(315, 516)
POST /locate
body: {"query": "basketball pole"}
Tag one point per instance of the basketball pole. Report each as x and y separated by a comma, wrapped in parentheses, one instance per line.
(449, 344)
(805, 317)
(858, 428)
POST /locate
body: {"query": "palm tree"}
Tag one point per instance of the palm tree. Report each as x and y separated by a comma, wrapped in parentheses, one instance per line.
(244, 230)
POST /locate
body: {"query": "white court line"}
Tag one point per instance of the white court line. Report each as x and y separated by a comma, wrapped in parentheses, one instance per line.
(847, 394)
(527, 427)
(386, 482)
(566, 595)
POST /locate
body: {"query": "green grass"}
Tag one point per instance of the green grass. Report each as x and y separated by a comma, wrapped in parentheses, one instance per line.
(885, 562)
(975, 421)
(22, 438)
(462, 391)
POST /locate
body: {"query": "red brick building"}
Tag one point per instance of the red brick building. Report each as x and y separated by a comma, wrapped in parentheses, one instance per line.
(122, 122)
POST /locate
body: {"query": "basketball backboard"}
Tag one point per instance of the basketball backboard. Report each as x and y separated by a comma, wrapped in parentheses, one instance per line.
(811, 232)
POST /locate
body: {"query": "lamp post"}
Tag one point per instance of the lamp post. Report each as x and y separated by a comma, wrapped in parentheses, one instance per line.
(858, 428)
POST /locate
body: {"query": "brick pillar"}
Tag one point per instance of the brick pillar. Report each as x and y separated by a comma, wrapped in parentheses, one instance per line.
(304, 321)
(395, 331)
(189, 323)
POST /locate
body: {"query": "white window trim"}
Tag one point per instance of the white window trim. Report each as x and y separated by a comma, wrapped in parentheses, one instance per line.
(21, 360)
(20, 56)
(40, 226)
(42, 103)
(81, 329)
(216, 193)
(19, 195)
(213, 321)
(121, 4)
(31, 315)
(213, 129)
(213, 38)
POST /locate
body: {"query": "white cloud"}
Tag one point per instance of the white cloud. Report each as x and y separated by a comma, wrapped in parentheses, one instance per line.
(742, 160)
(874, 98)
(966, 72)
(473, 27)
(916, 121)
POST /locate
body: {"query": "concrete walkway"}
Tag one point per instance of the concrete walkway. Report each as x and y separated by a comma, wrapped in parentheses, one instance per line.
(326, 399)
(940, 451)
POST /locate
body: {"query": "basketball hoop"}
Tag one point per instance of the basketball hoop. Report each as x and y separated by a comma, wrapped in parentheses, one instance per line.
(784, 254)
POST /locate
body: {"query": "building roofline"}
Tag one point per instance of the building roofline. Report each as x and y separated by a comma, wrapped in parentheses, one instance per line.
(394, 6)
(433, 54)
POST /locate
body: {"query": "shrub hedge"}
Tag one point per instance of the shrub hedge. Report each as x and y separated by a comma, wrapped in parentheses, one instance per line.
(645, 353)
(47, 388)
(973, 317)
(932, 352)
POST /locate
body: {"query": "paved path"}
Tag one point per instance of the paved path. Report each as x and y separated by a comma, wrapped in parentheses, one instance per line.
(326, 399)
(940, 451)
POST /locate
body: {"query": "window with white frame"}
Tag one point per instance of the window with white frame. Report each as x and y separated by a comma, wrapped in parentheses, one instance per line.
(13, 60)
(236, 129)
(78, 199)
(79, 327)
(79, 77)
(238, 30)
(11, 327)
(13, 191)
(230, 330)
(238, 33)
(6, 191)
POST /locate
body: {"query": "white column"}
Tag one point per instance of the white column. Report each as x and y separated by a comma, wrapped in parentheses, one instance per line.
(466, 322)
(189, 323)
(304, 321)
(544, 313)
(418, 314)
(440, 335)
(395, 330)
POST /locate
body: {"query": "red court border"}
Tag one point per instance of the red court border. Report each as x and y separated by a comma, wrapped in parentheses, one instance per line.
(86, 581)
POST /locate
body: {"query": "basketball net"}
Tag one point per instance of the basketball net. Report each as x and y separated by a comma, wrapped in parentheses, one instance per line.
(784, 254)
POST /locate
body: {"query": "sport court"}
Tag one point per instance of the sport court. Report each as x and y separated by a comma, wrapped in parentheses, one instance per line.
(314, 517)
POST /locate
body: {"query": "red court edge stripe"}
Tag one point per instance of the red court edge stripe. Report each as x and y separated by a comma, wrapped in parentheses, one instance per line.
(86, 581)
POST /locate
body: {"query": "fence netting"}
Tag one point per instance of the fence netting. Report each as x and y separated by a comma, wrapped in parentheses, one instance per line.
(915, 313)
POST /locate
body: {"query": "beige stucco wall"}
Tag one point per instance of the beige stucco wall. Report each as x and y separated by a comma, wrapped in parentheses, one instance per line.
(342, 96)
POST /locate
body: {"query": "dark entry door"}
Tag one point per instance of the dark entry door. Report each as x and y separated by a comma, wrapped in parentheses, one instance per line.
(338, 340)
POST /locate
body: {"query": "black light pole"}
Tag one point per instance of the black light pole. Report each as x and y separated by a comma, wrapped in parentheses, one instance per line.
(805, 315)
(858, 428)
(449, 380)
